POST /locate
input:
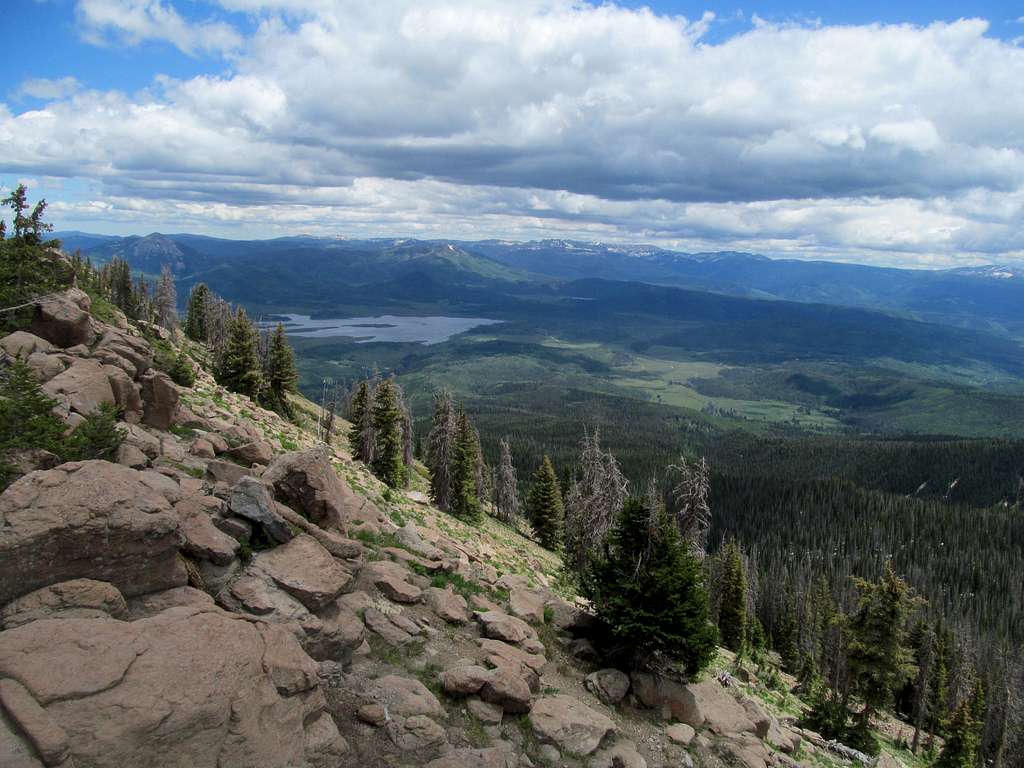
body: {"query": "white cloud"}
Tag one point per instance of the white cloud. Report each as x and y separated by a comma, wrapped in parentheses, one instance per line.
(136, 21)
(554, 116)
(47, 89)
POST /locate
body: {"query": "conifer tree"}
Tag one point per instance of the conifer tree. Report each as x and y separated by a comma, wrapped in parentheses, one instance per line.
(361, 436)
(647, 589)
(786, 635)
(732, 615)
(281, 376)
(506, 492)
(465, 503)
(690, 494)
(593, 501)
(441, 449)
(961, 747)
(239, 370)
(938, 687)
(544, 506)
(387, 426)
(195, 314)
(165, 300)
(880, 661)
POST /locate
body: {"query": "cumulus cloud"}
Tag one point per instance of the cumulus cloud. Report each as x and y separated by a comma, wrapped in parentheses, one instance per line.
(136, 21)
(549, 116)
(47, 89)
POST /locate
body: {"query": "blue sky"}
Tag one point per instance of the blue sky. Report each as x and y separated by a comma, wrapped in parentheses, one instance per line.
(885, 132)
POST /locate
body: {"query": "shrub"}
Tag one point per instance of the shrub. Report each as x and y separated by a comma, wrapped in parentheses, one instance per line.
(647, 589)
(98, 437)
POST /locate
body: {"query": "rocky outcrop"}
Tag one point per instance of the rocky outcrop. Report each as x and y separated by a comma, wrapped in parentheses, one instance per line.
(189, 686)
(23, 344)
(161, 399)
(251, 500)
(88, 519)
(83, 387)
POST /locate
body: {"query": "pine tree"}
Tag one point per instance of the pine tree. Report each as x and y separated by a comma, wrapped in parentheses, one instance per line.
(786, 635)
(647, 590)
(732, 616)
(239, 370)
(165, 300)
(195, 314)
(961, 747)
(544, 506)
(938, 686)
(361, 436)
(465, 503)
(26, 413)
(441, 449)
(281, 376)
(693, 512)
(506, 492)
(880, 661)
(387, 426)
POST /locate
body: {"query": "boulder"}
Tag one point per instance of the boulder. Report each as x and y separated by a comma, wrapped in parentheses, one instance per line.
(226, 472)
(196, 687)
(145, 606)
(527, 604)
(147, 443)
(305, 570)
(506, 687)
(397, 590)
(387, 630)
(622, 754)
(22, 344)
(203, 540)
(117, 346)
(501, 626)
(410, 538)
(251, 499)
(485, 712)
(372, 714)
(45, 367)
(569, 725)
(464, 680)
(526, 665)
(75, 599)
(130, 456)
(307, 483)
(84, 386)
(609, 685)
(202, 448)
(697, 704)
(126, 392)
(254, 452)
(415, 734)
(64, 320)
(404, 696)
(448, 605)
(680, 733)
(324, 747)
(332, 541)
(89, 519)
(26, 460)
(160, 396)
(747, 751)
(756, 714)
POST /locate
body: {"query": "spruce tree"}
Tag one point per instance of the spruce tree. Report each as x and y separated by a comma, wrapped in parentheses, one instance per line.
(165, 300)
(879, 659)
(195, 314)
(732, 615)
(465, 503)
(441, 449)
(961, 747)
(281, 376)
(361, 436)
(544, 506)
(387, 426)
(647, 590)
(239, 370)
(506, 493)
(938, 687)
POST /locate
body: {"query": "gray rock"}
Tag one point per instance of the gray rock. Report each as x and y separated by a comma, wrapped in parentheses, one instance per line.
(251, 499)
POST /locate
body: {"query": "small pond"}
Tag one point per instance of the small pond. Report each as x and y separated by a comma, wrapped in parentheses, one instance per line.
(394, 328)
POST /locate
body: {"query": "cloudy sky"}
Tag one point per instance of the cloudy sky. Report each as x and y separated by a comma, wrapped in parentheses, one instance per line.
(883, 132)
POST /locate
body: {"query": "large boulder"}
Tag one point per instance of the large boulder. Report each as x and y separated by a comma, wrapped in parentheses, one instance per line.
(500, 626)
(305, 570)
(609, 685)
(64, 320)
(89, 519)
(569, 724)
(704, 704)
(118, 348)
(84, 386)
(75, 599)
(307, 482)
(253, 452)
(22, 344)
(448, 605)
(190, 686)
(203, 540)
(127, 394)
(251, 499)
(160, 397)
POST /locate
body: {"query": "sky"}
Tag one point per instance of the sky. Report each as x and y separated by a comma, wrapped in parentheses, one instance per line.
(874, 132)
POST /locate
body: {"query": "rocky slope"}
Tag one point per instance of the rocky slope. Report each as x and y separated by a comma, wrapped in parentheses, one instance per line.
(232, 593)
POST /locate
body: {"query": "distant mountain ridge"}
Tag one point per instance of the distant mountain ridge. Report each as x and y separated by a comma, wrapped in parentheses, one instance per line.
(987, 298)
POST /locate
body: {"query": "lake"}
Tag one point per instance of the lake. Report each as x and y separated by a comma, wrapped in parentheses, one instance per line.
(393, 328)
